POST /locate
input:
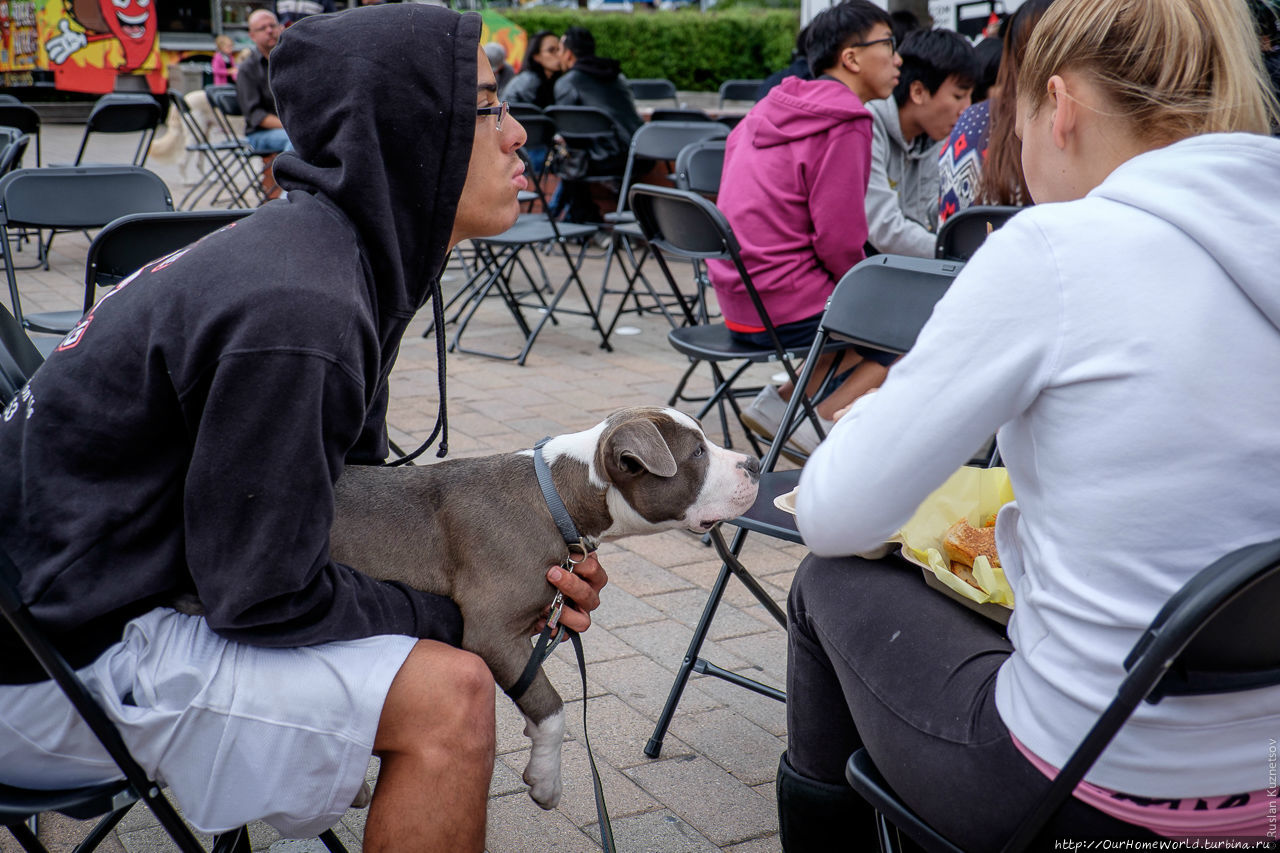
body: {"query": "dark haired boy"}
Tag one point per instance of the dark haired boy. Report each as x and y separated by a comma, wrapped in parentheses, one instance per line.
(795, 174)
(939, 69)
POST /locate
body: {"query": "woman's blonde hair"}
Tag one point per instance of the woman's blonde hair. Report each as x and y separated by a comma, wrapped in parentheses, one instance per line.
(1171, 68)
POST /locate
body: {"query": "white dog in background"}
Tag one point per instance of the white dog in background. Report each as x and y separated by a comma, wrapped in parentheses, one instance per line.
(173, 146)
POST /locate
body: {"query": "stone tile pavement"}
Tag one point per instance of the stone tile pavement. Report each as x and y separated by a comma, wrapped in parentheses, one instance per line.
(712, 787)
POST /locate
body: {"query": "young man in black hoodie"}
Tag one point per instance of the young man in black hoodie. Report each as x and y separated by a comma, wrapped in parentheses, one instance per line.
(187, 435)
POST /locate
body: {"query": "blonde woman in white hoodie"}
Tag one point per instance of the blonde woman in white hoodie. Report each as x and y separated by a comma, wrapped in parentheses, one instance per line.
(1122, 337)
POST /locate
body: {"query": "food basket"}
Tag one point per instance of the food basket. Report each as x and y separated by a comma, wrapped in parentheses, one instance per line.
(973, 494)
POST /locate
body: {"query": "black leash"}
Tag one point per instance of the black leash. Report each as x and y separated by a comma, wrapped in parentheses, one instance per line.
(553, 633)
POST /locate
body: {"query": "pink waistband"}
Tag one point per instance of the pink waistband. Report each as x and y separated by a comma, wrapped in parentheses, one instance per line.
(1252, 815)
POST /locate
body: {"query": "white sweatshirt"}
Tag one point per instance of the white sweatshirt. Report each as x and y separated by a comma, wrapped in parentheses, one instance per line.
(1126, 346)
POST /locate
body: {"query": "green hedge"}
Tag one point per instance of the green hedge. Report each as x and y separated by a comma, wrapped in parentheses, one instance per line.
(697, 51)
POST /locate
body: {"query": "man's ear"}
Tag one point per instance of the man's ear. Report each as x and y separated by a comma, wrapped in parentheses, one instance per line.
(637, 446)
(849, 59)
(917, 93)
(1066, 111)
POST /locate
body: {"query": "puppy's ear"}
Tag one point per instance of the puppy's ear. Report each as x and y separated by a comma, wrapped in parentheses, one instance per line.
(637, 446)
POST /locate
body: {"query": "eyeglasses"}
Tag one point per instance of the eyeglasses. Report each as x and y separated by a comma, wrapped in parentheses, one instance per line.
(889, 40)
(500, 111)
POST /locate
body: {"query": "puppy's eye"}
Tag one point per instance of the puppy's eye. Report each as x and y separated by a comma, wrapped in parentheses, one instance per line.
(701, 450)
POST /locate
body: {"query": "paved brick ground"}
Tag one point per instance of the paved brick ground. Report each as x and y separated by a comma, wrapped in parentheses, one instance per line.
(712, 787)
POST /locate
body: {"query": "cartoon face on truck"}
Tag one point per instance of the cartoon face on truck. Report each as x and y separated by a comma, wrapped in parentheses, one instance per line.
(130, 22)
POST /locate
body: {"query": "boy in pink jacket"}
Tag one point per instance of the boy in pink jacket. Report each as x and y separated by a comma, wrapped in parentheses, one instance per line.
(793, 188)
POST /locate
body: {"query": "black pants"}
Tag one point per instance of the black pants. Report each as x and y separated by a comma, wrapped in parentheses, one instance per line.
(878, 659)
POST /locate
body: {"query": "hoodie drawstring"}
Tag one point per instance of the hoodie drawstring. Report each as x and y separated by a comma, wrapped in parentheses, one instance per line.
(442, 416)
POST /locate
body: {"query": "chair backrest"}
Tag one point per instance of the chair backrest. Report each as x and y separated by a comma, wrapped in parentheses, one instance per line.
(12, 153)
(19, 358)
(654, 89)
(225, 103)
(884, 301)
(739, 90)
(6, 98)
(522, 110)
(79, 197)
(662, 140)
(683, 224)
(963, 232)
(583, 125)
(120, 112)
(683, 114)
(130, 242)
(1217, 634)
(24, 118)
(699, 166)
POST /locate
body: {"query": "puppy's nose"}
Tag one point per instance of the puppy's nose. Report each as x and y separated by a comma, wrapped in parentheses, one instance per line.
(751, 465)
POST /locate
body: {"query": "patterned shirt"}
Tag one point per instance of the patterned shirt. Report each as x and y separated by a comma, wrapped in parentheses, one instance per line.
(961, 160)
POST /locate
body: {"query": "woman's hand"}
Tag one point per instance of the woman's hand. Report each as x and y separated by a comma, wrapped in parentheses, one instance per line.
(581, 589)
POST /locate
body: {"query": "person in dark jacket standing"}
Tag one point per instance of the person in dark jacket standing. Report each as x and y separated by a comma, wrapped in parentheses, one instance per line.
(186, 438)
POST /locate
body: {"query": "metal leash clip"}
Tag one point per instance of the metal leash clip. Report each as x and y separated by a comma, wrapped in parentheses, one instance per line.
(568, 564)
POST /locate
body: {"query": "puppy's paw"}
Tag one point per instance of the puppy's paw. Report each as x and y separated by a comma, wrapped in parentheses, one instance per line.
(543, 773)
(544, 790)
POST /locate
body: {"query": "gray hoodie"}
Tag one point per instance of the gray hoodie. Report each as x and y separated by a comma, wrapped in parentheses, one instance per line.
(902, 195)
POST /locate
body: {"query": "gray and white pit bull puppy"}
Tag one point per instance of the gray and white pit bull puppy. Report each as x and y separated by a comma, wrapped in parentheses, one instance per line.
(479, 531)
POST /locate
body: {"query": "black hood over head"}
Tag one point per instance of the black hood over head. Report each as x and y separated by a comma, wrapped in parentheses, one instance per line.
(379, 103)
(598, 66)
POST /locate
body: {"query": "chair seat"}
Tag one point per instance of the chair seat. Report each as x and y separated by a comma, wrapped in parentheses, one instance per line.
(763, 516)
(863, 776)
(53, 322)
(713, 342)
(629, 229)
(535, 229)
(18, 804)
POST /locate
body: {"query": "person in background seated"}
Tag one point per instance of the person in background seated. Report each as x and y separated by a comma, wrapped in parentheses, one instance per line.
(980, 162)
(535, 83)
(261, 123)
(939, 69)
(795, 174)
(224, 60)
(1120, 336)
(594, 81)
(497, 55)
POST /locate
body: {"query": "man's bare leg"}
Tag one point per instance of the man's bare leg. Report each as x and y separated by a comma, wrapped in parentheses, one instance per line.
(436, 742)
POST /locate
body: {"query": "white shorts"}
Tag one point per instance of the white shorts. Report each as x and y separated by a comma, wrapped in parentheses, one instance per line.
(236, 732)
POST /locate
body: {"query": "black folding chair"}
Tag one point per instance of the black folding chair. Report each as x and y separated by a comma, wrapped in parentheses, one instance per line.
(654, 89)
(225, 104)
(684, 225)
(129, 243)
(123, 113)
(1217, 634)
(656, 140)
(24, 118)
(218, 162)
(882, 302)
(963, 232)
(19, 358)
(70, 198)
(739, 90)
(599, 137)
(699, 167)
(113, 799)
(497, 257)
